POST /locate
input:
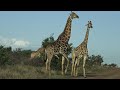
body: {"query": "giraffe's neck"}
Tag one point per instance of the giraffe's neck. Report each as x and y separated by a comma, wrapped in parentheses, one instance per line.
(68, 25)
(40, 50)
(67, 31)
(86, 36)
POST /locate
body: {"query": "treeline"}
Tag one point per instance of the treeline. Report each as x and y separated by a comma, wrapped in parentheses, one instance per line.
(19, 56)
(9, 57)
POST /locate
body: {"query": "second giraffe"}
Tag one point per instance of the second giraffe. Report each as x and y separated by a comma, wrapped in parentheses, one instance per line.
(80, 52)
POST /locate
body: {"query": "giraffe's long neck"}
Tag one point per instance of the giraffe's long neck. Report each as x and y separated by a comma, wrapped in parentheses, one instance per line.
(67, 30)
(65, 35)
(86, 36)
(68, 24)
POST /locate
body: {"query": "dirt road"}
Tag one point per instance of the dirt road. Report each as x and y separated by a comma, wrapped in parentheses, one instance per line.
(110, 74)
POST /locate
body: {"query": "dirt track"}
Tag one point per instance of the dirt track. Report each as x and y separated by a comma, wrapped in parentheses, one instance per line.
(110, 74)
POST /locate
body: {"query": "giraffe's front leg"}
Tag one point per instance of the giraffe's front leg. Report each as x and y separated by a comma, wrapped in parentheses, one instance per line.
(77, 67)
(84, 61)
(72, 67)
(63, 60)
(49, 68)
(73, 63)
(49, 60)
(46, 65)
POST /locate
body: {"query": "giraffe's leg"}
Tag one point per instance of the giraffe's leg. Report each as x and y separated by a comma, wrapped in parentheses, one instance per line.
(84, 61)
(63, 60)
(57, 56)
(77, 67)
(65, 56)
(48, 61)
(73, 63)
(73, 66)
(47, 65)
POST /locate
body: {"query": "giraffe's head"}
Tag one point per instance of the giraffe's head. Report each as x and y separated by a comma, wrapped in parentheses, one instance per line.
(89, 25)
(33, 54)
(73, 15)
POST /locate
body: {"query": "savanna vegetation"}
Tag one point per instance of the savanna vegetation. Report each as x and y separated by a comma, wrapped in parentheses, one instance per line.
(16, 64)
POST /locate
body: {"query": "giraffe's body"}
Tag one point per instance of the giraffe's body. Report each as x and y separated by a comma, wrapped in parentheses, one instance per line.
(60, 46)
(37, 53)
(80, 52)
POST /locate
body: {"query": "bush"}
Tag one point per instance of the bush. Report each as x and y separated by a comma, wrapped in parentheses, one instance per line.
(4, 55)
(35, 62)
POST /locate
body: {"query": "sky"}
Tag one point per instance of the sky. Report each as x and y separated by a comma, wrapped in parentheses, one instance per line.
(27, 30)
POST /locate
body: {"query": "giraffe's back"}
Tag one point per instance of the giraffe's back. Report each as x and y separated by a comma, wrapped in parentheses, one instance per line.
(81, 49)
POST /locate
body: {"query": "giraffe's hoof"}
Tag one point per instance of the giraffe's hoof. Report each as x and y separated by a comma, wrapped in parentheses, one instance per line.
(65, 71)
(85, 77)
(62, 73)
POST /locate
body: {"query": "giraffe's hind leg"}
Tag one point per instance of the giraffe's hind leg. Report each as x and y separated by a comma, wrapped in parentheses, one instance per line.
(46, 65)
(65, 56)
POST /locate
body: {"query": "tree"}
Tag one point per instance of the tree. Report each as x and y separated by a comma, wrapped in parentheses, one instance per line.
(69, 50)
(95, 60)
(99, 60)
(113, 65)
(47, 41)
(4, 55)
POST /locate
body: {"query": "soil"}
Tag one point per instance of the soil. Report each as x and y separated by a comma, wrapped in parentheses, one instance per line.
(110, 74)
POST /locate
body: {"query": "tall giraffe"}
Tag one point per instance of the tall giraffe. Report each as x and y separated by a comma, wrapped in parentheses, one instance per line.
(80, 52)
(60, 46)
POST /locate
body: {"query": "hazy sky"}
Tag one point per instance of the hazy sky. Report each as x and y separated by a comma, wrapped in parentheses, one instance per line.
(27, 29)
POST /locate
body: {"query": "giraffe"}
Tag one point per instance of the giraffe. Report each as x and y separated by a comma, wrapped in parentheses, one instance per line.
(37, 53)
(60, 46)
(80, 52)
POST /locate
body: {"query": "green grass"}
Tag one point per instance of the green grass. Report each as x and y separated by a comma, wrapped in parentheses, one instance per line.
(27, 72)
(32, 72)
(21, 72)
